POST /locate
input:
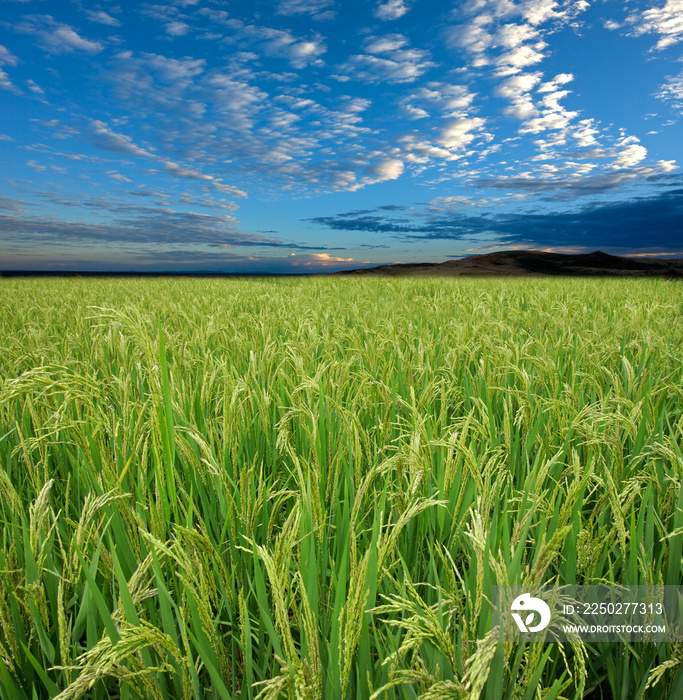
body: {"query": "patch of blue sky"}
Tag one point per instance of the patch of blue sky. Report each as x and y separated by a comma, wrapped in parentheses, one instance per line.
(312, 135)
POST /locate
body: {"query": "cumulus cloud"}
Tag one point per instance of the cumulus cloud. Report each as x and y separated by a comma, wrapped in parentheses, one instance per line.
(517, 85)
(672, 91)
(390, 10)
(101, 136)
(387, 60)
(630, 153)
(7, 58)
(666, 21)
(387, 169)
(457, 134)
(178, 72)
(420, 150)
(222, 120)
(545, 113)
(55, 37)
(117, 176)
(7, 84)
(556, 82)
(303, 7)
(520, 57)
(585, 133)
(473, 37)
(35, 88)
(278, 43)
(517, 90)
(102, 17)
(446, 99)
(508, 35)
(176, 28)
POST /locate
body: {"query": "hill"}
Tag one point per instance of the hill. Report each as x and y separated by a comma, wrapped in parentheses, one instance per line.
(533, 263)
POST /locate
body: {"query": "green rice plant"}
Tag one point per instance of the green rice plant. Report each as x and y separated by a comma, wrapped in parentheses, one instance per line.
(305, 488)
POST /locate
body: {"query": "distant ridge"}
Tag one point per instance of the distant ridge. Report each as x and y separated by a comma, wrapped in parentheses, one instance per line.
(531, 263)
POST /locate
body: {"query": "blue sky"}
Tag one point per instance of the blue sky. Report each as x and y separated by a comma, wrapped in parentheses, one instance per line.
(310, 135)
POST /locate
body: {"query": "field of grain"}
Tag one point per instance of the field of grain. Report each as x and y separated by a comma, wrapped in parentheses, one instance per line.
(305, 488)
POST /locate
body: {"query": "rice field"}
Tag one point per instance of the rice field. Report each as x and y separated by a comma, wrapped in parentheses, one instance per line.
(305, 488)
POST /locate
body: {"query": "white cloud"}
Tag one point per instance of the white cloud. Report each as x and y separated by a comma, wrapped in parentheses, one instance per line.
(177, 28)
(585, 133)
(102, 136)
(666, 166)
(447, 99)
(517, 89)
(558, 120)
(415, 112)
(390, 10)
(667, 21)
(55, 37)
(174, 71)
(35, 88)
(517, 85)
(472, 37)
(630, 153)
(193, 174)
(302, 7)
(189, 173)
(512, 29)
(117, 176)
(357, 104)
(512, 35)
(102, 17)
(373, 69)
(552, 85)
(419, 150)
(233, 95)
(522, 108)
(539, 11)
(216, 16)
(672, 91)
(388, 169)
(386, 44)
(520, 57)
(7, 58)
(281, 43)
(394, 64)
(539, 115)
(459, 133)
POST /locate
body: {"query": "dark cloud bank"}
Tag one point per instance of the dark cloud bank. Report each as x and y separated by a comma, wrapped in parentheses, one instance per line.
(652, 222)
